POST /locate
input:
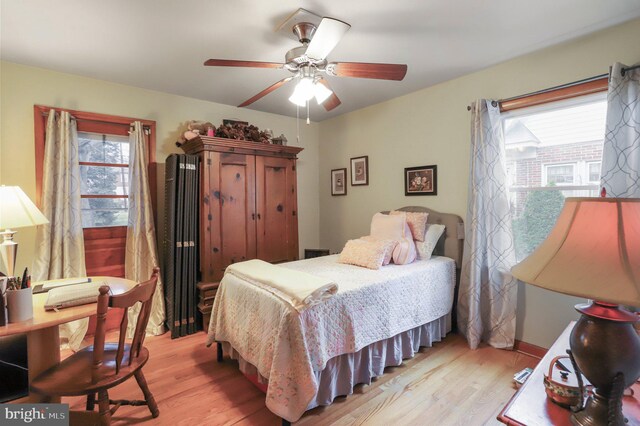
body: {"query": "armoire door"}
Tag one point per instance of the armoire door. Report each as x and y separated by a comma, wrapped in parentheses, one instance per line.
(229, 210)
(276, 202)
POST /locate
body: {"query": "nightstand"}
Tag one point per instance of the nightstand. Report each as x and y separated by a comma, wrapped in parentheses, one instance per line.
(530, 405)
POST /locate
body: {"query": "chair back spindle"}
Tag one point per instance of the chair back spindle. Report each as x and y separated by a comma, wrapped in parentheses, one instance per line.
(141, 293)
(98, 339)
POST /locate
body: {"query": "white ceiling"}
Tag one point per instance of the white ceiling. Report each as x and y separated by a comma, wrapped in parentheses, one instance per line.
(162, 44)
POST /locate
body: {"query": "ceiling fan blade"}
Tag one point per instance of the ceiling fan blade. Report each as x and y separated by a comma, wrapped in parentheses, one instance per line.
(332, 101)
(365, 70)
(265, 92)
(327, 36)
(248, 64)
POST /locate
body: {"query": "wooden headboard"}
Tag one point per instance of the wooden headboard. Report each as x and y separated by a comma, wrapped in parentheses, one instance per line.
(452, 241)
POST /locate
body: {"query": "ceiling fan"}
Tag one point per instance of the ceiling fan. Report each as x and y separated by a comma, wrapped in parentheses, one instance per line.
(309, 62)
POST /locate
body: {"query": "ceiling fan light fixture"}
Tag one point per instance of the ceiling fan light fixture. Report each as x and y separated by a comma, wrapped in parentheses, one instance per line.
(303, 92)
(321, 92)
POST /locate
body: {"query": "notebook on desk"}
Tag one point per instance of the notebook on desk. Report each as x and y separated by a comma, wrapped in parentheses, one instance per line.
(43, 287)
(73, 295)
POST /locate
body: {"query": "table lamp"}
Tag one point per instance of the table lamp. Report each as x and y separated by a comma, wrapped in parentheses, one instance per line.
(16, 211)
(594, 252)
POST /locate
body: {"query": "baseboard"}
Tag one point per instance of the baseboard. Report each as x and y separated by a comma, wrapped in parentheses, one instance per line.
(529, 349)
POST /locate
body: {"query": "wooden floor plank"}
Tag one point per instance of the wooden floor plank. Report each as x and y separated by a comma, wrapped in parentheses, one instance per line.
(448, 384)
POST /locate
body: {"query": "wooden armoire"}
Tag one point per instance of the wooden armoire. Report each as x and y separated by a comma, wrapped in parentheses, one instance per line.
(248, 203)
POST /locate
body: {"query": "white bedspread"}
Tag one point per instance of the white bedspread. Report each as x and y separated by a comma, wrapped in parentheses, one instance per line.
(286, 346)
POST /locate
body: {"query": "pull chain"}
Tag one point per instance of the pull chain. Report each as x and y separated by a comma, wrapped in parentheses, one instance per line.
(298, 124)
(307, 112)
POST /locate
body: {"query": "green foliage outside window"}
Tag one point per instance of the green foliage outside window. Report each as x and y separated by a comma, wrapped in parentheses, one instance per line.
(541, 210)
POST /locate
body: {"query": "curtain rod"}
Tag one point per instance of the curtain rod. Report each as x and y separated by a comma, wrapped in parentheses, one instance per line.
(94, 120)
(562, 86)
(550, 89)
(624, 70)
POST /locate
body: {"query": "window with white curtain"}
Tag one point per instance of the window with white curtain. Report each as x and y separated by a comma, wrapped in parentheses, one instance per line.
(554, 151)
(104, 173)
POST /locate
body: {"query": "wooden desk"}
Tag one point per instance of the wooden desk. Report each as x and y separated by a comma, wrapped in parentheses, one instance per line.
(43, 339)
(531, 407)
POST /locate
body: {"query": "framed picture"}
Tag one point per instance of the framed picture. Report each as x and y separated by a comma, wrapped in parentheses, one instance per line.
(422, 180)
(232, 122)
(339, 181)
(360, 171)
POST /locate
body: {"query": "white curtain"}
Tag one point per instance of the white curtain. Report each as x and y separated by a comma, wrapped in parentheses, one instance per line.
(141, 255)
(621, 150)
(488, 291)
(60, 243)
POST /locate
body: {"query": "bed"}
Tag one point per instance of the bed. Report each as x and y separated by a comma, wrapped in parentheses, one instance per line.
(306, 359)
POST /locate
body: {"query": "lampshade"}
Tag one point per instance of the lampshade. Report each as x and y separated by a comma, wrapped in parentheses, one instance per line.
(307, 89)
(593, 251)
(321, 92)
(303, 91)
(17, 210)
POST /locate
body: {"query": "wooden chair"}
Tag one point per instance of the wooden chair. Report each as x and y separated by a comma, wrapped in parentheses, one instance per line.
(95, 369)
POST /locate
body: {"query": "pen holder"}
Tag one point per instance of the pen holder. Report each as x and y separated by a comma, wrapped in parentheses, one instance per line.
(20, 304)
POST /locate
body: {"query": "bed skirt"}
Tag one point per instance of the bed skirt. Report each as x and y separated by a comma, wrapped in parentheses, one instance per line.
(345, 371)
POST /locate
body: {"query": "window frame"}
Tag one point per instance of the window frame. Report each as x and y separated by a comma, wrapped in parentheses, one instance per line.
(106, 237)
(588, 173)
(110, 165)
(556, 94)
(545, 173)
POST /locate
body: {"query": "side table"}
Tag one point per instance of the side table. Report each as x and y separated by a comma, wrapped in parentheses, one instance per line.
(531, 407)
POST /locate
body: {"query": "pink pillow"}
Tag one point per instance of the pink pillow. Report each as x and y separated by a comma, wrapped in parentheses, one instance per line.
(389, 246)
(417, 223)
(387, 226)
(362, 253)
(405, 251)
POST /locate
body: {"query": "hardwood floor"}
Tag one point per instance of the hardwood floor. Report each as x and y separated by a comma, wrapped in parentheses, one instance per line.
(448, 384)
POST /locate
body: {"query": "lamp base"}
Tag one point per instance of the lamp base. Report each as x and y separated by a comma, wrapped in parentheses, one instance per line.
(599, 411)
(606, 348)
(9, 251)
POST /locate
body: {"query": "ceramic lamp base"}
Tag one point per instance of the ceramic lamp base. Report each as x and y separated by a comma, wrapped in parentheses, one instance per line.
(606, 348)
(9, 251)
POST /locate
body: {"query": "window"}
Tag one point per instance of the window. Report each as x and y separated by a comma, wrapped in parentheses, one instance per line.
(104, 173)
(594, 172)
(103, 145)
(556, 152)
(559, 174)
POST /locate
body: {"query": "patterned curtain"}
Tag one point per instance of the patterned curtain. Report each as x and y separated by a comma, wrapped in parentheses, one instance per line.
(60, 243)
(141, 255)
(487, 297)
(621, 150)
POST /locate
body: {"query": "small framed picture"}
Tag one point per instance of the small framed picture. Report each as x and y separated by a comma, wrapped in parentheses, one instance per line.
(339, 181)
(360, 171)
(422, 180)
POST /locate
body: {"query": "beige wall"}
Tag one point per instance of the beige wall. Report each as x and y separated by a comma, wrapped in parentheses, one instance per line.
(21, 87)
(431, 126)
